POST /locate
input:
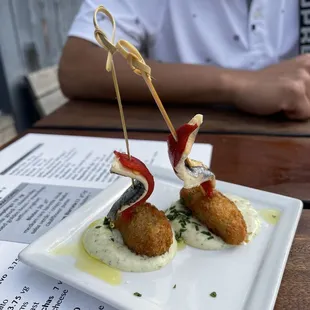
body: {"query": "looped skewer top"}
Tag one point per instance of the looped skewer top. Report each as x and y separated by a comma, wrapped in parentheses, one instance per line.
(126, 49)
(138, 65)
(134, 58)
(102, 38)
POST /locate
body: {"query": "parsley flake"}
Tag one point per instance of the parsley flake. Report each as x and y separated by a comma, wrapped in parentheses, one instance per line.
(174, 286)
(206, 233)
(171, 217)
(137, 294)
(213, 294)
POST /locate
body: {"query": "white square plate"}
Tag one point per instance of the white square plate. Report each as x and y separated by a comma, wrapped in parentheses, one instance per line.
(245, 277)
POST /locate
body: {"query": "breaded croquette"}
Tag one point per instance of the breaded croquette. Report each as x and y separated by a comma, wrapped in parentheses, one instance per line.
(148, 232)
(218, 213)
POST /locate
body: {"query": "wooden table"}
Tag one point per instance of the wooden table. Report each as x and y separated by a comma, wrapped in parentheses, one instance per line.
(279, 164)
(146, 117)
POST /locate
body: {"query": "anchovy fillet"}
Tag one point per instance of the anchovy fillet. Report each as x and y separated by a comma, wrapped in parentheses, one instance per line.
(201, 170)
(129, 197)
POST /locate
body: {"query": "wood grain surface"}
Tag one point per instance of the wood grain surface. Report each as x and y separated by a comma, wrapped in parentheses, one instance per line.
(146, 117)
(276, 164)
(295, 286)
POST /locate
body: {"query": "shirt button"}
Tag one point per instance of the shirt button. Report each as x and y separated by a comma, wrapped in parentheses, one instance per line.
(236, 37)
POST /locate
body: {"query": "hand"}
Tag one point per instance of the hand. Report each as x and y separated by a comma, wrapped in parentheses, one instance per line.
(281, 87)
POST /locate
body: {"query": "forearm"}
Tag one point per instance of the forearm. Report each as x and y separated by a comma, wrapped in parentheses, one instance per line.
(82, 75)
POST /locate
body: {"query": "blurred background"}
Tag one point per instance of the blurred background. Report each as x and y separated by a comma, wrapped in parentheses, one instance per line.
(32, 34)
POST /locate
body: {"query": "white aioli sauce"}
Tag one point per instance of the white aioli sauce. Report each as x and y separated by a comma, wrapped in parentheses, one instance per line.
(198, 235)
(108, 246)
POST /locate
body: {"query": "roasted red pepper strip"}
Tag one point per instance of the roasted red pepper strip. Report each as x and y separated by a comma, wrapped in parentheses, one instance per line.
(177, 148)
(208, 188)
(138, 167)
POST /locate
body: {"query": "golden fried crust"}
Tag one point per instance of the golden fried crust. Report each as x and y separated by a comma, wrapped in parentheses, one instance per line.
(218, 213)
(148, 232)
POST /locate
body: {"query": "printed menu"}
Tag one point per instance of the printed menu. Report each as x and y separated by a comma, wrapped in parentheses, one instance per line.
(44, 178)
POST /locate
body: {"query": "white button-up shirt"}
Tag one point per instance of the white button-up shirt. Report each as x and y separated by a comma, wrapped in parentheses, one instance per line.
(224, 33)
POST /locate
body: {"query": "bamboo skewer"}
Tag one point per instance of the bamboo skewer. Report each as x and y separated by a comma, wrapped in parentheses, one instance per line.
(121, 110)
(109, 46)
(163, 112)
(137, 64)
(160, 106)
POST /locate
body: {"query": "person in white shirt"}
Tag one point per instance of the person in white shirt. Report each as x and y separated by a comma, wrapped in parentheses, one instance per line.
(238, 52)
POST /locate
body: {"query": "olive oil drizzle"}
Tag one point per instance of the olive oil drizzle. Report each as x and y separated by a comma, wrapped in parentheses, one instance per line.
(88, 264)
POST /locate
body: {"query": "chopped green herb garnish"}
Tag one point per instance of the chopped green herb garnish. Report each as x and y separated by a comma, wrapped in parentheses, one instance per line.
(97, 227)
(186, 213)
(171, 217)
(112, 239)
(211, 237)
(182, 215)
(274, 216)
(206, 233)
(175, 286)
(213, 294)
(197, 228)
(137, 294)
